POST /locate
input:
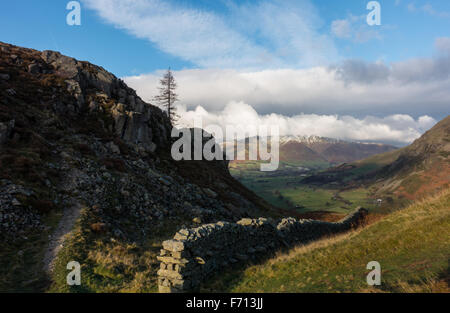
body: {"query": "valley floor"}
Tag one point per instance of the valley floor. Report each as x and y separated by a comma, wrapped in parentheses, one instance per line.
(286, 191)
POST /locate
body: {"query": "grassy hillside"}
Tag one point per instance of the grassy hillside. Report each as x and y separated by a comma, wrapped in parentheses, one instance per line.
(398, 177)
(412, 246)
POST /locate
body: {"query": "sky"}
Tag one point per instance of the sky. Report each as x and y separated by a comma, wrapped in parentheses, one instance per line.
(310, 66)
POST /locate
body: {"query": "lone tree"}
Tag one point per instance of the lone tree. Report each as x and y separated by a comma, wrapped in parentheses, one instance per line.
(167, 96)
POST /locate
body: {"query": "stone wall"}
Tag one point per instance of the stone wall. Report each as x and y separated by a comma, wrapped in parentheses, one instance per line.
(194, 254)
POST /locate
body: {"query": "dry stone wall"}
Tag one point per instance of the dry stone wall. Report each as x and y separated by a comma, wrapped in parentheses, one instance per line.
(194, 254)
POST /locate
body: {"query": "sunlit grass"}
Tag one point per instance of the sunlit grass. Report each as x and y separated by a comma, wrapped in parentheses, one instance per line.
(412, 246)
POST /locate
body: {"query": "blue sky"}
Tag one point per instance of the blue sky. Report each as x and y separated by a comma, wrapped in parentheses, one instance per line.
(404, 33)
(313, 63)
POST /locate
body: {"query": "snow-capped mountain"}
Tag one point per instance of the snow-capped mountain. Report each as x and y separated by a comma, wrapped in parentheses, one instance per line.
(316, 148)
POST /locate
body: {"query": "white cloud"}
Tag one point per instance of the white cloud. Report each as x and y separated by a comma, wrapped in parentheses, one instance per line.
(415, 87)
(428, 9)
(411, 7)
(355, 28)
(443, 45)
(399, 129)
(198, 36)
(270, 33)
(341, 28)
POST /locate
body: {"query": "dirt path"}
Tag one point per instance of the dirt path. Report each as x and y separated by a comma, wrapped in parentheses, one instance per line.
(65, 226)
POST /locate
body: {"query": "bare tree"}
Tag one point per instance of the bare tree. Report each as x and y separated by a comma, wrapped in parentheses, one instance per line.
(167, 96)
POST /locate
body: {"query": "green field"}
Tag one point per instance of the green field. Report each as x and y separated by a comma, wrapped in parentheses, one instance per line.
(411, 245)
(285, 190)
(253, 168)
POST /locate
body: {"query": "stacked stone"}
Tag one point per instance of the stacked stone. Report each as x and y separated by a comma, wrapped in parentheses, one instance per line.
(194, 254)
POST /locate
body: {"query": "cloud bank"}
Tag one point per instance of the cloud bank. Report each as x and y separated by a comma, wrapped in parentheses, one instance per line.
(399, 129)
(415, 87)
(354, 100)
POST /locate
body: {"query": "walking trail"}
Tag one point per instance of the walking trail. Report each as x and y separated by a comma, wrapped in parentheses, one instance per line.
(57, 239)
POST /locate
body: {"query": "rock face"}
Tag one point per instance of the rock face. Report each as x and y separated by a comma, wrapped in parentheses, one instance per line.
(194, 254)
(135, 121)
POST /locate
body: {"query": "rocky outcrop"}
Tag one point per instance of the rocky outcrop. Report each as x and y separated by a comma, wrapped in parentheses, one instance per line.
(194, 254)
(135, 121)
(73, 132)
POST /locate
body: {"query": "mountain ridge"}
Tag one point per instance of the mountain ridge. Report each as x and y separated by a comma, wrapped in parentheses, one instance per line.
(295, 149)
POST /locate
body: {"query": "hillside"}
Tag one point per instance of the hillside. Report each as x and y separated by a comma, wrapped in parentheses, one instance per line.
(404, 243)
(422, 167)
(329, 149)
(298, 149)
(300, 154)
(406, 174)
(75, 141)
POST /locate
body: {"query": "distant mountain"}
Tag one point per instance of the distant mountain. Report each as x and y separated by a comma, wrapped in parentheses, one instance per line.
(329, 149)
(322, 150)
(408, 173)
(307, 139)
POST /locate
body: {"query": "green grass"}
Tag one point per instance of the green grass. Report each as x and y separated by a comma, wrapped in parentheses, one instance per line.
(21, 266)
(110, 265)
(106, 267)
(253, 168)
(412, 246)
(286, 191)
(381, 159)
(357, 196)
(284, 188)
(311, 199)
(413, 182)
(319, 199)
